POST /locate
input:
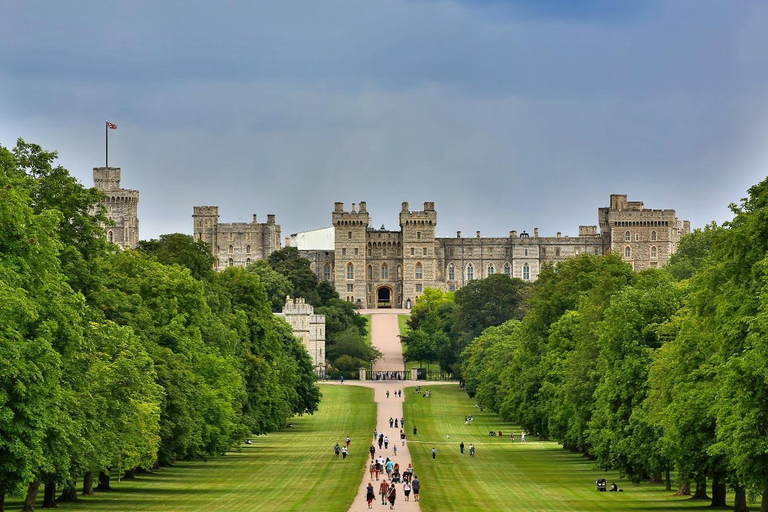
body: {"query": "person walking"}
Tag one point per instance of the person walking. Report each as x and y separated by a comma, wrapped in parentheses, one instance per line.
(396, 426)
(372, 469)
(337, 450)
(407, 490)
(391, 422)
(471, 450)
(392, 496)
(414, 430)
(522, 436)
(372, 451)
(390, 467)
(370, 496)
(344, 453)
(402, 437)
(387, 393)
(384, 491)
(434, 453)
(348, 441)
(375, 434)
(461, 447)
(381, 440)
(416, 486)
(394, 450)
(402, 422)
(386, 442)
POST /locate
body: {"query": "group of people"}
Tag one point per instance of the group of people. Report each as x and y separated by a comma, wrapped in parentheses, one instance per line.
(342, 449)
(388, 490)
(398, 393)
(393, 421)
(389, 375)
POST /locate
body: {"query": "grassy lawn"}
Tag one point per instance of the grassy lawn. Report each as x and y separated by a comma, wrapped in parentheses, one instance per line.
(402, 321)
(368, 328)
(289, 470)
(535, 476)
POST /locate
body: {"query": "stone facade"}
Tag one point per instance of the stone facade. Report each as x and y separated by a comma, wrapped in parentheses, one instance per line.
(236, 244)
(308, 327)
(382, 268)
(121, 205)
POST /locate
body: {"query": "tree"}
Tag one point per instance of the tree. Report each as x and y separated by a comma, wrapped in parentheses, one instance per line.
(183, 250)
(692, 251)
(289, 262)
(277, 286)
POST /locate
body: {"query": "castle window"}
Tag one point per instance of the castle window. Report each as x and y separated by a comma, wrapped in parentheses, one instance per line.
(452, 288)
(653, 236)
(350, 287)
(653, 252)
(110, 236)
(525, 252)
(399, 252)
(491, 270)
(418, 271)
(418, 288)
(399, 272)
(231, 262)
(418, 235)
(384, 271)
(507, 269)
(370, 272)
(231, 249)
(349, 235)
(369, 252)
(597, 251)
(637, 237)
(247, 261)
(451, 272)
(355, 251)
(557, 252)
(526, 272)
(248, 249)
(343, 251)
(383, 252)
(627, 236)
(424, 251)
(413, 251)
(350, 271)
(450, 251)
(327, 272)
(654, 264)
(543, 251)
(627, 252)
(470, 272)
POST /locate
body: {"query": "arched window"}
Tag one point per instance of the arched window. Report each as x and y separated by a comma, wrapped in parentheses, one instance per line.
(384, 271)
(653, 236)
(231, 249)
(526, 272)
(557, 252)
(370, 272)
(491, 270)
(327, 272)
(399, 272)
(383, 252)
(231, 262)
(247, 261)
(653, 252)
(418, 271)
(110, 236)
(350, 271)
(627, 252)
(248, 249)
(507, 269)
(451, 272)
(525, 252)
(470, 272)
(627, 236)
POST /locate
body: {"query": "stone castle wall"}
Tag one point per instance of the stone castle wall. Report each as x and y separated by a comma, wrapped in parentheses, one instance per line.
(121, 207)
(308, 327)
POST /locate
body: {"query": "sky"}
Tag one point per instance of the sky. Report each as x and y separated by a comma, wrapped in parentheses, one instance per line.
(509, 115)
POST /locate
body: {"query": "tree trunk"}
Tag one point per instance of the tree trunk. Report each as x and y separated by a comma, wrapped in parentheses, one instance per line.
(701, 489)
(718, 490)
(67, 495)
(49, 495)
(103, 482)
(31, 498)
(656, 477)
(764, 503)
(740, 500)
(2, 501)
(685, 489)
(156, 465)
(88, 484)
(129, 475)
(668, 479)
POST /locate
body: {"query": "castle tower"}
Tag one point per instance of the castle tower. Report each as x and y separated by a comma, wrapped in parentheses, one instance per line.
(419, 259)
(350, 253)
(309, 327)
(206, 222)
(121, 207)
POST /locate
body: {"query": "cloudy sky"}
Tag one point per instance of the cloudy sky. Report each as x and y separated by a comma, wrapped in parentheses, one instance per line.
(506, 114)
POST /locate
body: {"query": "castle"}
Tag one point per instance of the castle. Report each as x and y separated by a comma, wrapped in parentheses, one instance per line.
(382, 268)
(121, 207)
(308, 327)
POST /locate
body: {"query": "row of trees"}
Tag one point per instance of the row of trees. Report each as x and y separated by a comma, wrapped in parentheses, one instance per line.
(650, 373)
(443, 324)
(111, 360)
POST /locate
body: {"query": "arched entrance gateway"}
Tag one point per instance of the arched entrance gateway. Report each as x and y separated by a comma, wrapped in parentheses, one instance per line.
(384, 297)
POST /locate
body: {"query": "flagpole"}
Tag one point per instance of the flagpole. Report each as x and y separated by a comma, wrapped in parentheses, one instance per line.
(106, 139)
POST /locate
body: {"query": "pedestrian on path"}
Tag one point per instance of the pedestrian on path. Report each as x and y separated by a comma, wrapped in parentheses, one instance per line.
(369, 497)
(372, 451)
(384, 490)
(375, 433)
(434, 453)
(343, 453)
(402, 422)
(387, 393)
(386, 442)
(394, 450)
(402, 437)
(381, 440)
(416, 486)
(461, 447)
(392, 497)
(471, 450)
(407, 490)
(396, 425)
(391, 422)
(372, 469)
(390, 467)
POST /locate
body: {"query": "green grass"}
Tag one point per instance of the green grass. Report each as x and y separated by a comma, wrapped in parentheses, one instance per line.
(289, 470)
(402, 322)
(368, 329)
(535, 476)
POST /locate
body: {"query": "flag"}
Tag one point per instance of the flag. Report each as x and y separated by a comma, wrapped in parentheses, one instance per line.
(111, 126)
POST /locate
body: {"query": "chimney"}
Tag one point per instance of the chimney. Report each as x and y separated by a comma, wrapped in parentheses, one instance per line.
(405, 206)
(535, 232)
(362, 207)
(270, 218)
(477, 234)
(558, 234)
(255, 221)
(458, 234)
(513, 234)
(338, 207)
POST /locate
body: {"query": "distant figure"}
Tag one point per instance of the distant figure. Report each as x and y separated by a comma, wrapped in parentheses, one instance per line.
(402, 437)
(394, 450)
(499, 433)
(461, 447)
(337, 450)
(372, 451)
(522, 436)
(414, 430)
(434, 453)
(384, 491)
(369, 496)
(614, 487)
(386, 442)
(416, 486)
(342, 379)
(472, 450)
(392, 496)
(396, 425)
(348, 441)
(343, 453)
